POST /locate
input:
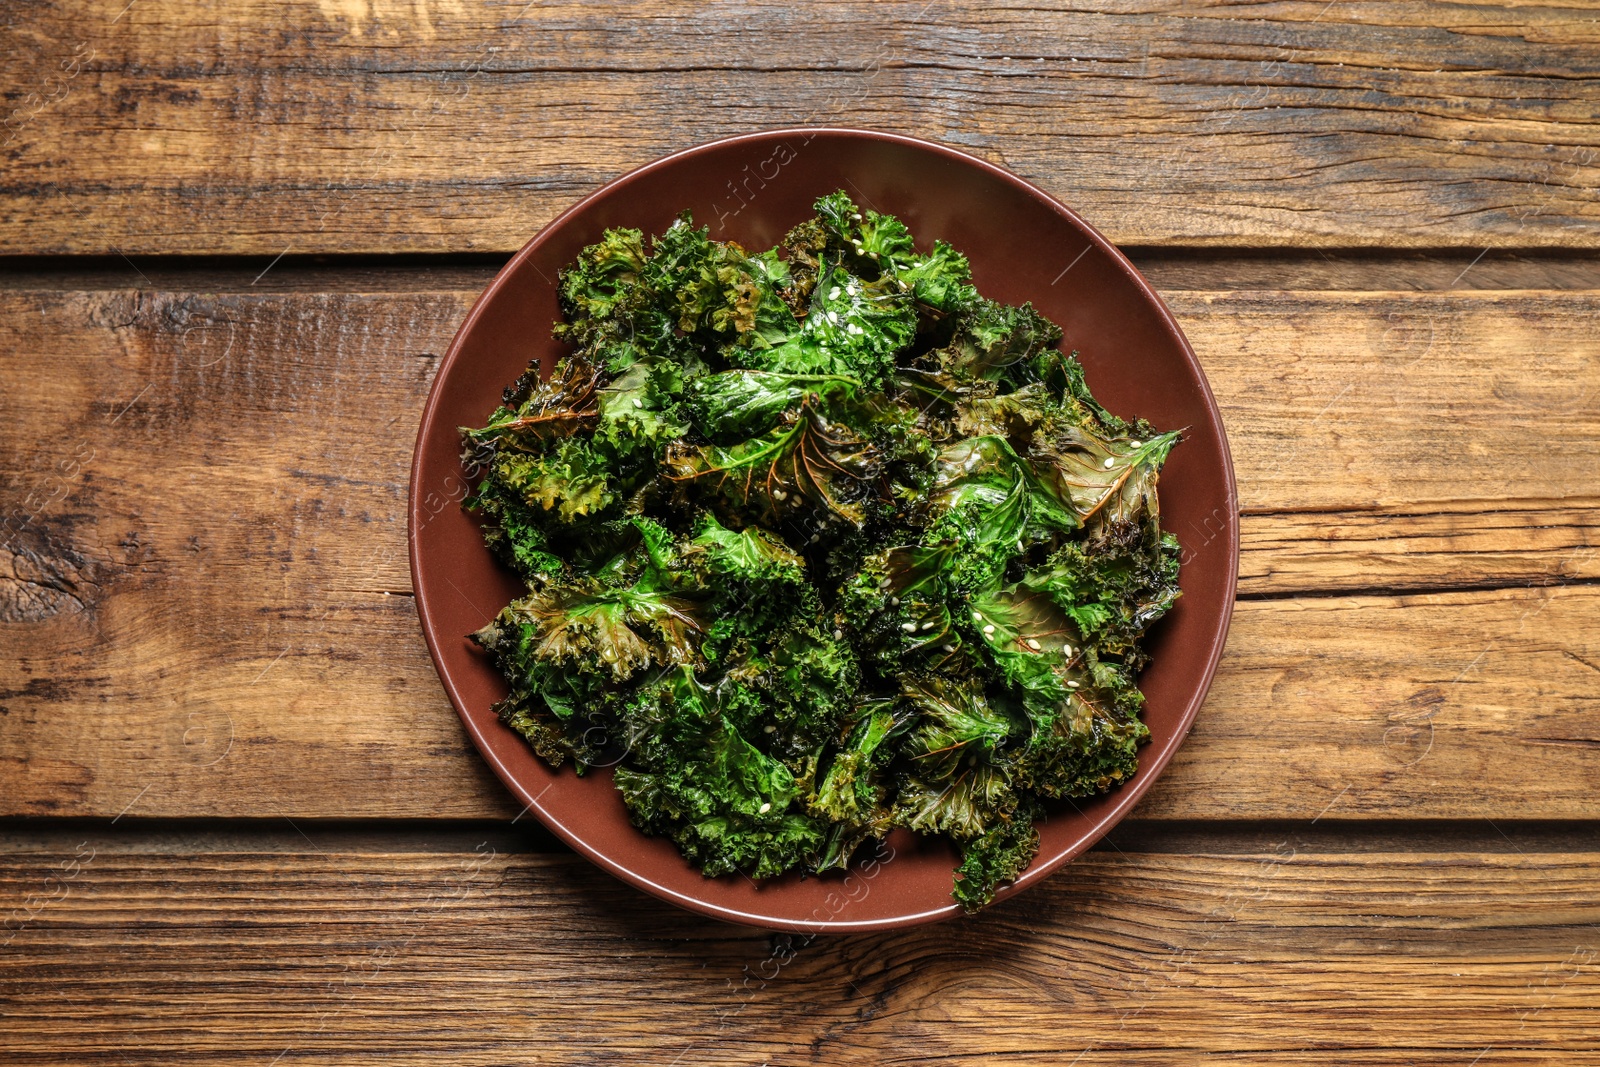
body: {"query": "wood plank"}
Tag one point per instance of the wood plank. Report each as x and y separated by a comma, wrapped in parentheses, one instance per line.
(1284, 956)
(259, 127)
(1516, 543)
(1442, 706)
(1334, 400)
(206, 588)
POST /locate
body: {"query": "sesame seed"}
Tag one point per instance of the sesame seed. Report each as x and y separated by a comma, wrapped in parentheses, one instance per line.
(769, 729)
(1066, 651)
(928, 625)
(857, 216)
(1110, 462)
(779, 494)
(989, 629)
(1033, 644)
(838, 635)
(833, 294)
(909, 627)
(949, 648)
(894, 602)
(638, 403)
(884, 583)
(1137, 444)
(765, 807)
(1072, 685)
(977, 616)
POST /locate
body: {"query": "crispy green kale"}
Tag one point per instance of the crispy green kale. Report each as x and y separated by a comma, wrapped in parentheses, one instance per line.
(820, 543)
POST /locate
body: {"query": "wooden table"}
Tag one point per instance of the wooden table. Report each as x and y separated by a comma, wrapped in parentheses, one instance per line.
(244, 826)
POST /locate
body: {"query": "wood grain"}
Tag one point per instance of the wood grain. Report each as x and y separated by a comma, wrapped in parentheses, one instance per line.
(1285, 956)
(1444, 706)
(1339, 400)
(207, 590)
(1377, 223)
(1516, 543)
(260, 128)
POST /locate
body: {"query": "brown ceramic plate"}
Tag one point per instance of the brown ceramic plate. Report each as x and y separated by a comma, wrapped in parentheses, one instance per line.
(1023, 246)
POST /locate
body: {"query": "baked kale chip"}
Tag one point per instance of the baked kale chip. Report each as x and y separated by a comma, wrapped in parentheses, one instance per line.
(819, 543)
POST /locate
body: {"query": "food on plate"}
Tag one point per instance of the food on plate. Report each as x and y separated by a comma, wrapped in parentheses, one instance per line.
(819, 542)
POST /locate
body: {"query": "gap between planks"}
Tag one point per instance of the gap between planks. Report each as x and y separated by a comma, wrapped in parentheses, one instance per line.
(1397, 270)
(21, 837)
